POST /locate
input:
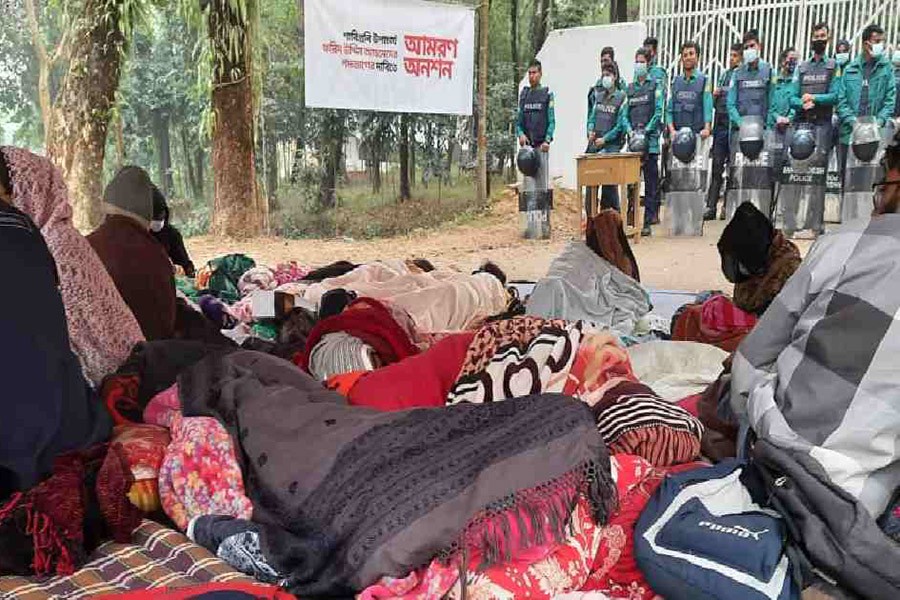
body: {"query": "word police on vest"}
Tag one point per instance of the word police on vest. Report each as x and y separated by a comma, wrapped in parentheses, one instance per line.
(737, 530)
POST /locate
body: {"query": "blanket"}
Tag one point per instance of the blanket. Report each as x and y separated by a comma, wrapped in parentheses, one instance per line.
(817, 377)
(716, 321)
(676, 370)
(582, 286)
(382, 493)
(102, 329)
(338, 353)
(578, 361)
(372, 323)
(755, 294)
(441, 300)
(155, 557)
(421, 381)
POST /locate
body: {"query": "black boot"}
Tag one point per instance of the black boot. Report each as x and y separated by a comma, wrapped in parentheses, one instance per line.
(710, 214)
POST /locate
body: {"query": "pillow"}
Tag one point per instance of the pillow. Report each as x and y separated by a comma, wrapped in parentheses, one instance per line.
(144, 447)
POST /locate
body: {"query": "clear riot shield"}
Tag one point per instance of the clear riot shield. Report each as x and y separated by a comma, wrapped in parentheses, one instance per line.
(801, 195)
(535, 202)
(686, 198)
(833, 183)
(867, 145)
(750, 168)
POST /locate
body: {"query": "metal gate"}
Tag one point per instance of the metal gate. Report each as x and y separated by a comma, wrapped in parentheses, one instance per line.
(716, 24)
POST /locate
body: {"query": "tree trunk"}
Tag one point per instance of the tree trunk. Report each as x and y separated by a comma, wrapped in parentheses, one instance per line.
(77, 141)
(272, 172)
(618, 11)
(191, 187)
(331, 155)
(540, 24)
(200, 170)
(481, 189)
(163, 150)
(236, 212)
(46, 62)
(405, 193)
(514, 46)
(120, 141)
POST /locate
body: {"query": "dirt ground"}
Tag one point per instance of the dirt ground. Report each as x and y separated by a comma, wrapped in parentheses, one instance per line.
(690, 264)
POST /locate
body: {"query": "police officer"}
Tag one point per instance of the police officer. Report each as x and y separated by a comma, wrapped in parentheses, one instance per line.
(536, 122)
(895, 60)
(691, 102)
(749, 92)
(643, 111)
(721, 128)
(607, 58)
(867, 87)
(605, 128)
(780, 107)
(842, 53)
(658, 73)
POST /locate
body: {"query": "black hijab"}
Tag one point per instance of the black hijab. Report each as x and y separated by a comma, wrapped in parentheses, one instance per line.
(47, 406)
(744, 245)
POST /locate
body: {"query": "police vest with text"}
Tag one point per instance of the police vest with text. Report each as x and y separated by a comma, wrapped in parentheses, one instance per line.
(606, 112)
(641, 103)
(535, 106)
(753, 91)
(721, 104)
(687, 102)
(815, 78)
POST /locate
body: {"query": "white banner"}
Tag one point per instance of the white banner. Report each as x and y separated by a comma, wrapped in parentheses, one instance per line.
(389, 55)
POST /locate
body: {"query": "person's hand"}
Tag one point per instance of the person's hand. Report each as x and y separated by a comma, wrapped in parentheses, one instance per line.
(717, 92)
(705, 133)
(591, 136)
(545, 147)
(808, 98)
(598, 142)
(523, 139)
(809, 105)
(671, 129)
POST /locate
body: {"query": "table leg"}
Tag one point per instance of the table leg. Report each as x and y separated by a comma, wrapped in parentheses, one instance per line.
(638, 211)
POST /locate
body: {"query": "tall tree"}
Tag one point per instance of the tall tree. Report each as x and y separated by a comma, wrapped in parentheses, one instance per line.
(236, 209)
(540, 24)
(514, 45)
(77, 140)
(46, 60)
(481, 174)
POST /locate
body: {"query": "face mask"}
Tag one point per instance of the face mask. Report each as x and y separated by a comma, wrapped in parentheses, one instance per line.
(640, 69)
(607, 82)
(842, 58)
(896, 58)
(790, 66)
(750, 54)
(157, 225)
(877, 50)
(818, 46)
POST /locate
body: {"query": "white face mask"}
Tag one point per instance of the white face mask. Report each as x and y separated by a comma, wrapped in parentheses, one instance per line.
(896, 58)
(842, 58)
(877, 50)
(750, 54)
(607, 82)
(157, 225)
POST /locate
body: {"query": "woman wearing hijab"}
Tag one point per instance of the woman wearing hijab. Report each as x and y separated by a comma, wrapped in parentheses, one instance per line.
(48, 407)
(102, 330)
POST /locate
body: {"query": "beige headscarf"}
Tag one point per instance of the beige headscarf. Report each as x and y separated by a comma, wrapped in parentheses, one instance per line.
(101, 327)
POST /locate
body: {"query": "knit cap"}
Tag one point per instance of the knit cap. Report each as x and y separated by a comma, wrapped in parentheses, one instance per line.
(130, 193)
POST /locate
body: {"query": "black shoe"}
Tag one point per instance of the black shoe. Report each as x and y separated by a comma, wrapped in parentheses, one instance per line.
(646, 231)
(710, 214)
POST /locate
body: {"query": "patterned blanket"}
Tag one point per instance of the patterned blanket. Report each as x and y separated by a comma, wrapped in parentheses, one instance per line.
(158, 557)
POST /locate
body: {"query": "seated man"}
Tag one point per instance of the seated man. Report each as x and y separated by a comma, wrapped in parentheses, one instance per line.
(137, 263)
(168, 236)
(817, 382)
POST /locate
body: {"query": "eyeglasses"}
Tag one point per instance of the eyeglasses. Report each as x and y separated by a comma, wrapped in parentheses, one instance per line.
(878, 190)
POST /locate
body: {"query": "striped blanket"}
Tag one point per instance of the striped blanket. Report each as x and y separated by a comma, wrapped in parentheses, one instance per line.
(157, 558)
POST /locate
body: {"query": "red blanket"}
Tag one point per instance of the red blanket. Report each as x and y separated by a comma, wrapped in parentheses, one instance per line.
(420, 381)
(370, 321)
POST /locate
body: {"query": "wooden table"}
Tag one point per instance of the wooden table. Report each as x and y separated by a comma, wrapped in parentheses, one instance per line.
(621, 170)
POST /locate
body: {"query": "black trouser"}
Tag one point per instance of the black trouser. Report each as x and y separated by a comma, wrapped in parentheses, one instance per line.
(720, 154)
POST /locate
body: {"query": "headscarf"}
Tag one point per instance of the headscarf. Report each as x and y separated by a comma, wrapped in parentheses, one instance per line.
(102, 329)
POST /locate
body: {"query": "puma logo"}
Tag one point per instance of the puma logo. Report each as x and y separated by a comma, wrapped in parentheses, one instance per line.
(736, 530)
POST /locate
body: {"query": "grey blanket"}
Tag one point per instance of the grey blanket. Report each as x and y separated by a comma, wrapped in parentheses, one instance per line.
(582, 286)
(345, 495)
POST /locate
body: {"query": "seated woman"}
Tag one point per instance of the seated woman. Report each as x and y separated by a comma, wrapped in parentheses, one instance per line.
(817, 382)
(757, 258)
(135, 260)
(169, 236)
(101, 328)
(48, 407)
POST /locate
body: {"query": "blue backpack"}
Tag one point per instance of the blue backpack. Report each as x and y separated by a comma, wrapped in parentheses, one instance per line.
(703, 536)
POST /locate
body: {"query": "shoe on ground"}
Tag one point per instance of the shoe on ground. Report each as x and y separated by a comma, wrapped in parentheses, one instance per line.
(709, 215)
(646, 231)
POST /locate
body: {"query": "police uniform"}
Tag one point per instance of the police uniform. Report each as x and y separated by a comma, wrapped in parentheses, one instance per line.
(749, 93)
(643, 110)
(720, 150)
(536, 115)
(606, 122)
